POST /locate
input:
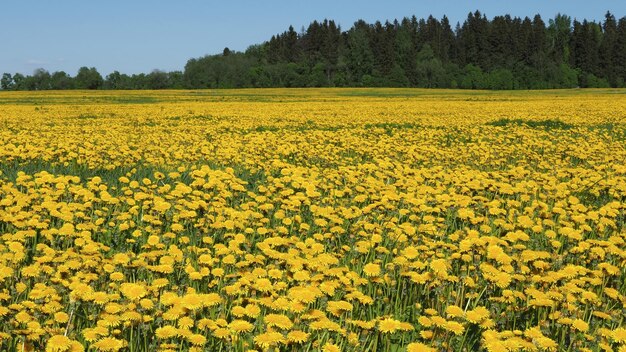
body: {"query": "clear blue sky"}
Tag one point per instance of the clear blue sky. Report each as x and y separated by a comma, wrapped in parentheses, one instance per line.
(134, 36)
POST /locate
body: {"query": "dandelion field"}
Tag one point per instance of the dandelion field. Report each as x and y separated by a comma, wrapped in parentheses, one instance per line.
(313, 219)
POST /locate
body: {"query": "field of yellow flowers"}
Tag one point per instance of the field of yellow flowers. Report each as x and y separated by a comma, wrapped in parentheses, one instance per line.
(313, 220)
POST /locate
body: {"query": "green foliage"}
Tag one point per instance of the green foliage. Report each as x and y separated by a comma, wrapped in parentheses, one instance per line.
(550, 124)
(473, 78)
(88, 78)
(6, 82)
(568, 77)
(591, 81)
(61, 80)
(500, 79)
(429, 71)
(318, 76)
(501, 53)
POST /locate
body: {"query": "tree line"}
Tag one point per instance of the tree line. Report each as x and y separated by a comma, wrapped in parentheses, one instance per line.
(502, 53)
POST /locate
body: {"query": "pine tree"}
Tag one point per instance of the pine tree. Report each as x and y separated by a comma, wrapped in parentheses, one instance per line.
(619, 53)
(537, 44)
(558, 36)
(331, 41)
(405, 53)
(359, 56)
(381, 41)
(446, 41)
(473, 40)
(606, 49)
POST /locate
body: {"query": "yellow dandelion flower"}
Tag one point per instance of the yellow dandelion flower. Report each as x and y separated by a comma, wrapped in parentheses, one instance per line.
(196, 339)
(547, 343)
(371, 269)
(388, 325)
(580, 325)
(496, 346)
(166, 332)
(330, 347)
(455, 311)
(425, 321)
(153, 240)
(430, 311)
(503, 280)
(58, 343)
(269, 339)
(304, 294)
(146, 303)
(133, 291)
(210, 299)
(410, 252)
(185, 322)
(238, 311)
(76, 347)
(113, 308)
(619, 335)
(477, 315)
(160, 283)
(177, 228)
(241, 326)
(61, 317)
(221, 333)
(406, 326)
(301, 275)
(337, 307)
(456, 327)
(419, 347)
(278, 320)
(23, 317)
(100, 297)
(109, 344)
(263, 285)
(252, 310)
(20, 287)
(192, 301)
(439, 321)
(116, 276)
(297, 336)
(426, 334)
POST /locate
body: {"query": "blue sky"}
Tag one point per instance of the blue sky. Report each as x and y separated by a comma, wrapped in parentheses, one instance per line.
(135, 36)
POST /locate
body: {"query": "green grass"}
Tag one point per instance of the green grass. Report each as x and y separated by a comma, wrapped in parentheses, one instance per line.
(281, 95)
(551, 124)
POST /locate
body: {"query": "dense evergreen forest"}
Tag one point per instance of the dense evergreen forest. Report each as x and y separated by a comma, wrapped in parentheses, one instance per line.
(502, 53)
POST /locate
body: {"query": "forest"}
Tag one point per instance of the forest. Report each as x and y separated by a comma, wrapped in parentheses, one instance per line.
(502, 53)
